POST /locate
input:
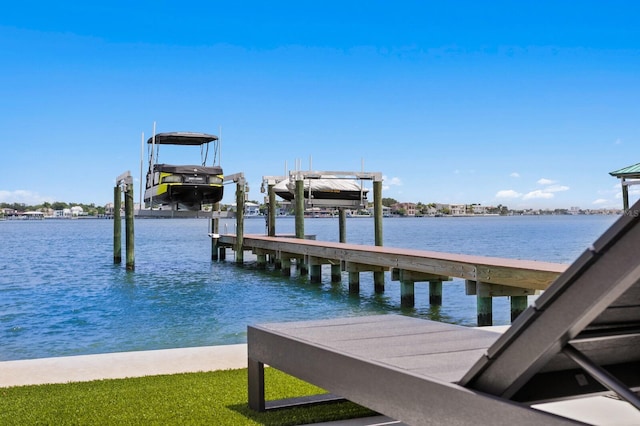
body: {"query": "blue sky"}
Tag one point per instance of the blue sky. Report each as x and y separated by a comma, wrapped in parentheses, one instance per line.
(525, 104)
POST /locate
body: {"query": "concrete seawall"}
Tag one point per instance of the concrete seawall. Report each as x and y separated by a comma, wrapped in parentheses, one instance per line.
(121, 365)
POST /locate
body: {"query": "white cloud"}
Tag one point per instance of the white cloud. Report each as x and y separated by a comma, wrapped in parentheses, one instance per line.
(538, 193)
(394, 181)
(23, 197)
(556, 188)
(545, 193)
(515, 175)
(600, 201)
(508, 193)
(544, 181)
(388, 183)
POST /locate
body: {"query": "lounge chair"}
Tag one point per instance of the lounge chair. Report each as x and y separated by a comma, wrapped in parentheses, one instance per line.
(580, 338)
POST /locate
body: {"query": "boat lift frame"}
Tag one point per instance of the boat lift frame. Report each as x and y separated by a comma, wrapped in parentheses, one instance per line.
(299, 177)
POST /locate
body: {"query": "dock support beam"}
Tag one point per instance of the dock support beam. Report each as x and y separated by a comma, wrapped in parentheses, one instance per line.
(286, 266)
(484, 300)
(261, 259)
(128, 216)
(435, 292)
(342, 224)
(354, 270)
(299, 207)
(271, 215)
(299, 199)
(485, 292)
(315, 272)
(336, 270)
(378, 277)
(354, 282)
(123, 181)
(215, 230)
(407, 280)
(407, 294)
(485, 311)
(336, 273)
(117, 225)
(518, 305)
(240, 195)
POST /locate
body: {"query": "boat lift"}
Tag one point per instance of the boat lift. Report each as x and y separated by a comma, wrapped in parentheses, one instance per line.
(214, 231)
(300, 177)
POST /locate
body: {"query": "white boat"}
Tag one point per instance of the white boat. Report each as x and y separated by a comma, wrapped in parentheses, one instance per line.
(324, 188)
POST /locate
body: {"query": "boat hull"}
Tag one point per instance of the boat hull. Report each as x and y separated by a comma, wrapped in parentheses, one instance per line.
(323, 189)
(323, 195)
(183, 187)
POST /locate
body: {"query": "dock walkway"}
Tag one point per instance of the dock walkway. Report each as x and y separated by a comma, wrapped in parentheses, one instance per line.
(485, 277)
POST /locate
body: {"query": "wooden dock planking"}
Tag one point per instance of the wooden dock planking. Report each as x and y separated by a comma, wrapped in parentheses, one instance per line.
(485, 276)
(528, 274)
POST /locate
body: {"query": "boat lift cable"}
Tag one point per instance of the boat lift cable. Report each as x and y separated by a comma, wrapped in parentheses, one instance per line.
(157, 156)
(216, 152)
(204, 153)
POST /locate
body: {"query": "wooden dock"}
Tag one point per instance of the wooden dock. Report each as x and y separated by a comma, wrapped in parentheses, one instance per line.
(485, 277)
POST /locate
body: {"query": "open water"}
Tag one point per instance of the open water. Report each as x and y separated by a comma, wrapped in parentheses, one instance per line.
(61, 294)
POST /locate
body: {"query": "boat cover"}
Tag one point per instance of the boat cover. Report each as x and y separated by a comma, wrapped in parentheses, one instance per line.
(334, 188)
(328, 185)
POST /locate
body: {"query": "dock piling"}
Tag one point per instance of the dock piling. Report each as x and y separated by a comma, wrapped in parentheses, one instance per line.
(407, 294)
(378, 277)
(215, 230)
(271, 223)
(117, 225)
(240, 195)
(336, 269)
(484, 303)
(299, 199)
(354, 282)
(286, 266)
(518, 305)
(435, 292)
(128, 215)
(485, 311)
(123, 181)
(315, 273)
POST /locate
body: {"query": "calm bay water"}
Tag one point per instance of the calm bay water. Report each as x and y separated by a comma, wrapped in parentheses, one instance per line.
(61, 294)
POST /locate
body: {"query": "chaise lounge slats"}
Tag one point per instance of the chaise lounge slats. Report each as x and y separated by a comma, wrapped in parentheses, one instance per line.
(581, 337)
(372, 378)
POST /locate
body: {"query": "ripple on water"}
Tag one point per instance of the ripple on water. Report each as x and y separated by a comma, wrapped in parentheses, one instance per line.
(60, 293)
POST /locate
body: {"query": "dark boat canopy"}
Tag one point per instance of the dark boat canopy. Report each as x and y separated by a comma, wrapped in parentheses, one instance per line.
(182, 138)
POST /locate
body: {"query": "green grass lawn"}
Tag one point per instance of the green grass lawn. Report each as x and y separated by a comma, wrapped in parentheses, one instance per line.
(213, 398)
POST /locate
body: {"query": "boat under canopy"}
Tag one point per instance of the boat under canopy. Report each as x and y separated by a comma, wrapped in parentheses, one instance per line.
(185, 186)
(324, 188)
